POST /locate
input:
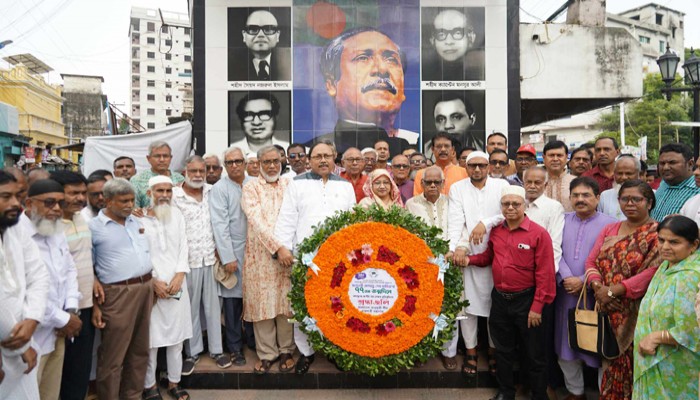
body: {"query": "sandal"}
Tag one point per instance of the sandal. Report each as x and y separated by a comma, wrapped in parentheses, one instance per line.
(179, 393)
(468, 368)
(286, 363)
(263, 366)
(304, 363)
(152, 394)
(450, 363)
(492, 364)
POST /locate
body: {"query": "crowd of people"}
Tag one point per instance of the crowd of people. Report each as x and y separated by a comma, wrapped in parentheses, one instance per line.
(100, 272)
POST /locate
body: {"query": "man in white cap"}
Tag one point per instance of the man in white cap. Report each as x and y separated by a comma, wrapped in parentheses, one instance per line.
(171, 323)
(470, 201)
(522, 259)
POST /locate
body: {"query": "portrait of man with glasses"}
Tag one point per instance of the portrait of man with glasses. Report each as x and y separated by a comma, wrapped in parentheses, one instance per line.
(259, 45)
(453, 44)
(261, 118)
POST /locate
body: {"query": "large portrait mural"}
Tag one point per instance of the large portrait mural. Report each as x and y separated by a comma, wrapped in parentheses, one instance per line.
(355, 72)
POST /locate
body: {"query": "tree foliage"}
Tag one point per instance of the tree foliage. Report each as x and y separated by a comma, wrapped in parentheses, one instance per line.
(644, 117)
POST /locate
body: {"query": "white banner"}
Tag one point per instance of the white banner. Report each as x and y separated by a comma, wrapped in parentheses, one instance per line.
(100, 151)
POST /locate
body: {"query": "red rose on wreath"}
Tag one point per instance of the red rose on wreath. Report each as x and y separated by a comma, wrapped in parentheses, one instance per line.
(336, 304)
(356, 325)
(409, 276)
(338, 273)
(409, 307)
(386, 255)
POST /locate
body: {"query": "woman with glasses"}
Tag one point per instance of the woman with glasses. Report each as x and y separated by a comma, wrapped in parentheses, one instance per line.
(623, 261)
(380, 189)
(667, 337)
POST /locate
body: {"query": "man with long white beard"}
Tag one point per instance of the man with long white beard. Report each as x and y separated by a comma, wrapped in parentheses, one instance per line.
(192, 199)
(266, 283)
(61, 319)
(171, 325)
(24, 287)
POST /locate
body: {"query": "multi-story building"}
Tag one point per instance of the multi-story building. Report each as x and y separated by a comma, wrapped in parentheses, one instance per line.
(83, 106)
(655, 26)
(38, 104)
(161, 66)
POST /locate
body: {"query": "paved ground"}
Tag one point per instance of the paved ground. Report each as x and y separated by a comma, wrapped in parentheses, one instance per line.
(364, 394)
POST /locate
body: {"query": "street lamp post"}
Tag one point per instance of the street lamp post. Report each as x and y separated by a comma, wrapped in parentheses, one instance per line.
(668, 63)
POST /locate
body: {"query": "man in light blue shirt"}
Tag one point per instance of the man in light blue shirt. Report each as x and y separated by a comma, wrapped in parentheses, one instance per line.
(122, 264)
(230, 227)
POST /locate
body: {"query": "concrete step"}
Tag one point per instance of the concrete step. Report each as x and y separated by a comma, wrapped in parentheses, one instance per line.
(324, 375)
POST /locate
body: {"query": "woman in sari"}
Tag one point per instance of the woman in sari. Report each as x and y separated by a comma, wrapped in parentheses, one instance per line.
(380, 189)
(623, 260)
(667, 337)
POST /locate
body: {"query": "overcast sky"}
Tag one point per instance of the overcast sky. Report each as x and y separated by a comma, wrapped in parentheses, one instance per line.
(89, 37)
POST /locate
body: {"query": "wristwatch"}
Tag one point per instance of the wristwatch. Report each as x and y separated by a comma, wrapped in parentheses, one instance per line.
(610, 294)
(74, 311)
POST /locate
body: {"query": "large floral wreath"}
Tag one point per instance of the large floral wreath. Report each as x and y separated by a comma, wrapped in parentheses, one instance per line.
(373, 292)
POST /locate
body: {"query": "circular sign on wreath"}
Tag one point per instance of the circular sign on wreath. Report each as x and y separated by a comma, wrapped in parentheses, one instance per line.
(373, 291)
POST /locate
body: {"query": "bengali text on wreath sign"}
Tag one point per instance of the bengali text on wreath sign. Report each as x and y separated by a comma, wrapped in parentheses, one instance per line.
(373, 291)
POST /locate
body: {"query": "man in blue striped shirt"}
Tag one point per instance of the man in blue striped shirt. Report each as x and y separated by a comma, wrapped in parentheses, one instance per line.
(678, 184)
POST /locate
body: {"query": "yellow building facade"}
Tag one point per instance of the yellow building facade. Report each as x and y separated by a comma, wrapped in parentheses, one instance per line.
(39, 105)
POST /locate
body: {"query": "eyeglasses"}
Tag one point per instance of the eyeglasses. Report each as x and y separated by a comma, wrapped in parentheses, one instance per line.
(354, 160)
(370, 160)
(456, 33)
(51, 203)
(524, 159)
(509, 204)
(319, 157)
(267, 29)
(633, 199)
(263, 116)
(431, 183)
(442, 146)
(381, 183)
(95, 194)
(475, 166)
(294, 156)
(498, 162)
(267, 163)
(239, 161)
(213, 167)
(163, 156)
(195, 171)
(418, 162)
(400, 166)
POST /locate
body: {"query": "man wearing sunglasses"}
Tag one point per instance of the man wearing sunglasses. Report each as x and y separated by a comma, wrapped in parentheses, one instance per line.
(456, 53)
(296, 154)
(42, 213)
(257, 112)
(265, 62)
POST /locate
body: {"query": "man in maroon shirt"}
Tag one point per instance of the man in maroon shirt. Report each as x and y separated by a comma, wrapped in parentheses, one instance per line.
(521, 254)
(606, 150)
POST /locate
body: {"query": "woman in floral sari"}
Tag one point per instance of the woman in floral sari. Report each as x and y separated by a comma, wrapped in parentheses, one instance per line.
(624, 259)
(380, 189)
(667, 337)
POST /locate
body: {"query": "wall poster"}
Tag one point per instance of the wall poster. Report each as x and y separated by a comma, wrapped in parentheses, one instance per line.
(283, 71)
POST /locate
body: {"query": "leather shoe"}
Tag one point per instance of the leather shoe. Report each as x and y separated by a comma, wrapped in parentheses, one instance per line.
(501, 396)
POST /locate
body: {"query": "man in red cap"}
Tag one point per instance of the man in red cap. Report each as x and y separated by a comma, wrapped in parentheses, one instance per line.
(525, 157)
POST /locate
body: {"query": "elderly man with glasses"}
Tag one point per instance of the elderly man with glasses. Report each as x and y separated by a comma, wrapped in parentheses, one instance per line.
(400, 171)
(260, 59)
(354, 164)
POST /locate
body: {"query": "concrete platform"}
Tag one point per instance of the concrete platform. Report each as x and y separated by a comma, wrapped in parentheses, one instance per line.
(324, 375)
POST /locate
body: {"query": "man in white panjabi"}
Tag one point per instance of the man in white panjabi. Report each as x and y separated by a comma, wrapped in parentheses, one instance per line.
(24, 288)
(171, 322)
(431, 207)
(310, 198)
(472, 200)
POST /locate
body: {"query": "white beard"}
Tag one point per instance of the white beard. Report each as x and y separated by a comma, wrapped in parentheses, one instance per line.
(268, 178)
(44, 227)
(195, 185)
(163, 212)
